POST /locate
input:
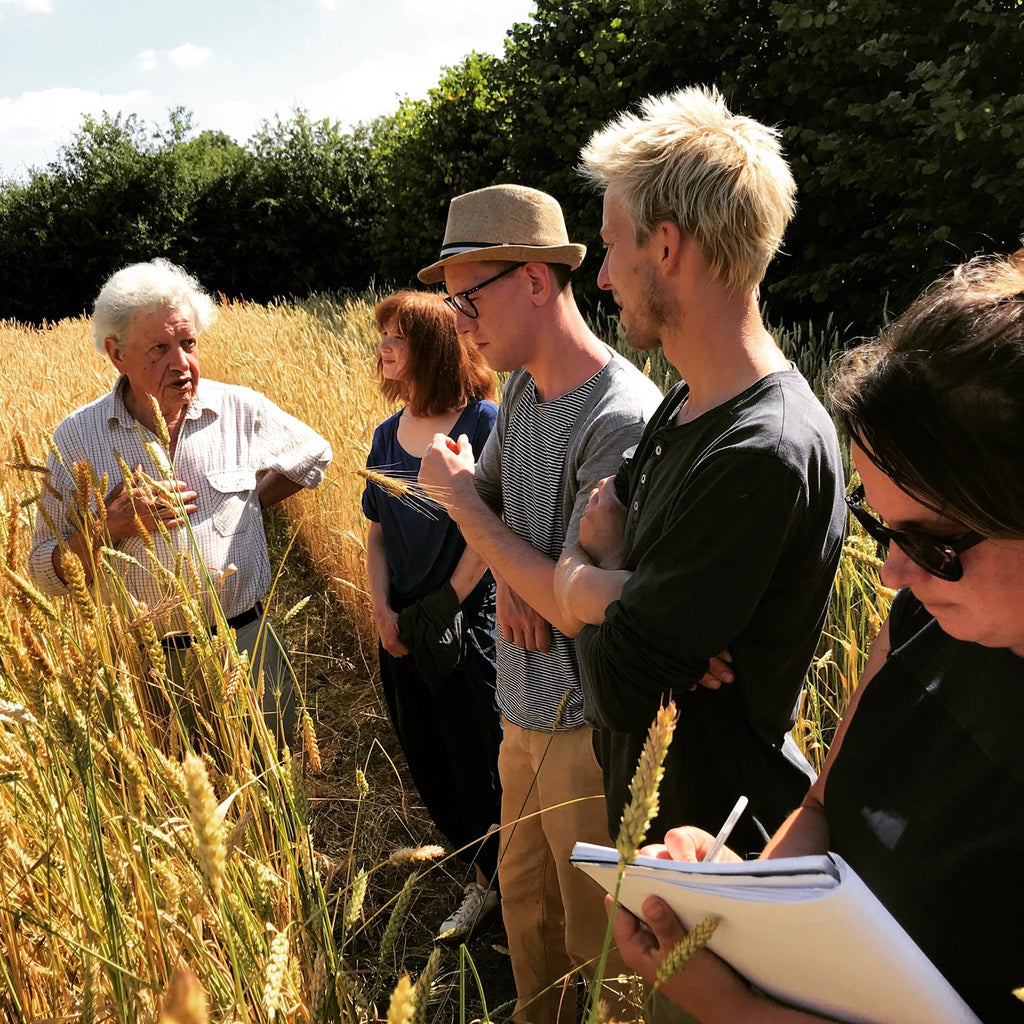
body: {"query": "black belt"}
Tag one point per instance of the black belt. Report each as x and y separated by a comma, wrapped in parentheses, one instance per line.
(182, 641)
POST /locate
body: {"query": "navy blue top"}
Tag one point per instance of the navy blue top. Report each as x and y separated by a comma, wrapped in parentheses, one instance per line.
(925, 800)
(421, 543)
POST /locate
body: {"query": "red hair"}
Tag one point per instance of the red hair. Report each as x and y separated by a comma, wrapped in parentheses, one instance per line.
(442, 372)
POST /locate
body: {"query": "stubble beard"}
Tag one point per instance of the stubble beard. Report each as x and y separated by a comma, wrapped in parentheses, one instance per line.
(644, 334)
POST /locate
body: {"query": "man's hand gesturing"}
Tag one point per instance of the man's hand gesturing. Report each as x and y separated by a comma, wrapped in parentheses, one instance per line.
(446, 472)
(162, 501)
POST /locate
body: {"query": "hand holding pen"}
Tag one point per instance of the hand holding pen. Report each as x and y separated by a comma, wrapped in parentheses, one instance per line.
(726, 830)
(688, 843)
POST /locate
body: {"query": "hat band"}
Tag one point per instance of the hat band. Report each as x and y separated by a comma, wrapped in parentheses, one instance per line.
(454, 248)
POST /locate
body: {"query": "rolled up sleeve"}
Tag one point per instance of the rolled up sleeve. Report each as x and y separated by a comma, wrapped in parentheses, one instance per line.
(487, 474)
(44, 541)
(292, 448)
(692, 593)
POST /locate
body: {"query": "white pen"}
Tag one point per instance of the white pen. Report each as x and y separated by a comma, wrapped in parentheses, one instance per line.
(726, 830)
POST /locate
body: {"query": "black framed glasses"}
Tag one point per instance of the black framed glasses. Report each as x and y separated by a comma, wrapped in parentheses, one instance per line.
(461, 301)
(939, 556)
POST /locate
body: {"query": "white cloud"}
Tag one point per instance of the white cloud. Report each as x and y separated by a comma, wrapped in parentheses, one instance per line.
(484, 28)
(147, 60)
(42, 112)
(35, 6)
(188, 55)
(35, 124)
(328, 5)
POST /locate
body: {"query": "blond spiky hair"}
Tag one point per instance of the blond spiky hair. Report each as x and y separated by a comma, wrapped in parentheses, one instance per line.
(719, 176)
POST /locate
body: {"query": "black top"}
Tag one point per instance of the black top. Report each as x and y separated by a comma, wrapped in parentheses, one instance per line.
(925, 800)
(422, 544)
(733, 532)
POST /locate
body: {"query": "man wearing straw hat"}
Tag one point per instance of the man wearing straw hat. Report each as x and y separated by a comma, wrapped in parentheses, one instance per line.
(569, 410)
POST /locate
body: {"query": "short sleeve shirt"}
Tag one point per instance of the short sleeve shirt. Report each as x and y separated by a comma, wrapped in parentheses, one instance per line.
(230, 437)
(421, 543)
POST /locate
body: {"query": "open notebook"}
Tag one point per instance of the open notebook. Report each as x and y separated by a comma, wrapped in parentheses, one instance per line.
(806, 930)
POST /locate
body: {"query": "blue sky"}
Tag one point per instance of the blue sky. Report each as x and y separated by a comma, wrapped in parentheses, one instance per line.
(232, 62)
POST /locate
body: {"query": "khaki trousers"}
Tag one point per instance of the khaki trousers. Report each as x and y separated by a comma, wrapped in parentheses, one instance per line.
(554, 914)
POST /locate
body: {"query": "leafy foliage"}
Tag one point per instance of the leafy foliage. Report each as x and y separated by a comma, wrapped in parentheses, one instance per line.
(116, 195)
(287, 218)
(904, 126)
(578, 64)
(430, 150)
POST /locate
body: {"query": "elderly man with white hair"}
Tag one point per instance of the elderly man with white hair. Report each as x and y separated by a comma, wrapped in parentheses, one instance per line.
(227, 452)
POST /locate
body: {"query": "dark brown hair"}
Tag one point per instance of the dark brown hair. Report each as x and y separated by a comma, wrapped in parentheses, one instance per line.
(442, 372)
(937, 401)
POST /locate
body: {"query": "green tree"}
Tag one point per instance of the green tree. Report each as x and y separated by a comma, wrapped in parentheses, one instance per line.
(905, 124)
(72, 223)
(578, 64)
(454, 141)
(904, 127)
(116, 194)
(289, 217)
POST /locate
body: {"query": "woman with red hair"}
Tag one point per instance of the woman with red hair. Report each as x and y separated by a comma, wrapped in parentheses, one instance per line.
(433, 598)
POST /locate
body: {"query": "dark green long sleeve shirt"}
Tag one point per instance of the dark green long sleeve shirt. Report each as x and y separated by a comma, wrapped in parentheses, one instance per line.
(733, 533)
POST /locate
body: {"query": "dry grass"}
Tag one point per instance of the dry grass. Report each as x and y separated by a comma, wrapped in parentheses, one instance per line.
(319, 365)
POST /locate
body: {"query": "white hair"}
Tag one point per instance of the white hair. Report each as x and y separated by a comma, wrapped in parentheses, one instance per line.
(140, 289)
(719, 176)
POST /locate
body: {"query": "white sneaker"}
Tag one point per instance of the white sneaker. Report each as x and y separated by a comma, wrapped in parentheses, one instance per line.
(477, 905)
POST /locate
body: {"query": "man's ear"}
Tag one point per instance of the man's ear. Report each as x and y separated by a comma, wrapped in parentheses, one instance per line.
(667, 243)
(539, 277)
(114, 351)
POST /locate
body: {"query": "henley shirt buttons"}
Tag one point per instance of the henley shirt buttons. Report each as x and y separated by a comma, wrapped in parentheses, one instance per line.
(657, 450)
(643, 478)
(636, 506)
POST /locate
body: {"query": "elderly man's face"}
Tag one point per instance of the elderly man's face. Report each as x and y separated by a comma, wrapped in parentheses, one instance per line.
(159, 358)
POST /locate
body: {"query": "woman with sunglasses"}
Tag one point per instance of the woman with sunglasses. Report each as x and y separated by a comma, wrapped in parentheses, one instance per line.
(923, 790)
(433, 599)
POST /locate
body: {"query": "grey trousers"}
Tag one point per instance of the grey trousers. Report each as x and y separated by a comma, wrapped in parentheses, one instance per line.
(267, 656)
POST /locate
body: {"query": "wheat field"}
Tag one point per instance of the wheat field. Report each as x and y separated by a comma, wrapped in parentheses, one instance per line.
(138, 878)
(145, 877)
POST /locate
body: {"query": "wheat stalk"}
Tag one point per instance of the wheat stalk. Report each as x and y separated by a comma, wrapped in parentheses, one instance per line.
(398, 914)
(414, 854)
(403, 1002)
(425, 985)
(277, 966)
(207, 823)
(685, 949)
(16, 714)
(642, 808)
(185, 1000)
(356, 896)
(310, 744)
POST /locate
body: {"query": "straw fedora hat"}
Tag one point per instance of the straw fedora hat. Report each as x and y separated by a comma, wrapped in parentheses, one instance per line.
(504, 222)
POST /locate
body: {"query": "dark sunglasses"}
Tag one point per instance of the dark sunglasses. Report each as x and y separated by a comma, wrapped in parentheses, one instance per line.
(461, 301)
(939, 556)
